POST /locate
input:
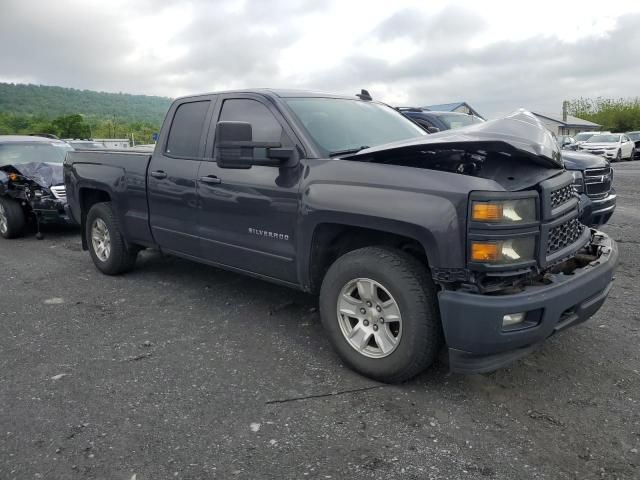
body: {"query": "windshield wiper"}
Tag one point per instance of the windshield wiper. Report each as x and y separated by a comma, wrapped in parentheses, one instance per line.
(347, 151)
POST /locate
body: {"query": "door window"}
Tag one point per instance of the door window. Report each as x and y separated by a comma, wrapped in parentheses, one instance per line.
(266, 127)
(186, 129)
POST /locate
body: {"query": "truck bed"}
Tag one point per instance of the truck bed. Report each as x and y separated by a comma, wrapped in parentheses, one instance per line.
(125, 174)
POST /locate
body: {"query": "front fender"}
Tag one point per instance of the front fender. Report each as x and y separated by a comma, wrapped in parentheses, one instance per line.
(437, 222)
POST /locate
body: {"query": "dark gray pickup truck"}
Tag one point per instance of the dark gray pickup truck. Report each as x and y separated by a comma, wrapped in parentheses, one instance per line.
(467, 238)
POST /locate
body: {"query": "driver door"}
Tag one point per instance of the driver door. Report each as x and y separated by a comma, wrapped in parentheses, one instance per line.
(247, 217)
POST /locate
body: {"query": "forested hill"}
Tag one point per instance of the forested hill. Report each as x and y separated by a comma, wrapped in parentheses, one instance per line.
(52, 102)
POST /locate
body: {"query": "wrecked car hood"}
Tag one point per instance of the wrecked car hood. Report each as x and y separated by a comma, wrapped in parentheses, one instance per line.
(44, 174)
(520, 133)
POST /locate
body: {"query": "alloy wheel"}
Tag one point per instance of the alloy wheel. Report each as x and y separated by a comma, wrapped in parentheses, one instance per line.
(4, 223)
(369, 318)
(101, 239)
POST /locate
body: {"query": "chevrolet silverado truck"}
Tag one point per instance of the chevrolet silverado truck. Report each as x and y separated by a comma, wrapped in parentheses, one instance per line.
(466, 239)
(31, 185)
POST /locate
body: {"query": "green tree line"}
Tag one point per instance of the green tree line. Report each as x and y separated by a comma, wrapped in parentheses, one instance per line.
(617, 115)
(72, 113)
(78, 126)
(52, 102)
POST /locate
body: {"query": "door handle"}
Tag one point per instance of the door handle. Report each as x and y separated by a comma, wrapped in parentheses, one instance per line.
(210, 179)
(159, 174)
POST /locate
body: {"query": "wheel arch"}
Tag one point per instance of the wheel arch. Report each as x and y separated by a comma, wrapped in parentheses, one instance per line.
(328, 240)
(88, 197)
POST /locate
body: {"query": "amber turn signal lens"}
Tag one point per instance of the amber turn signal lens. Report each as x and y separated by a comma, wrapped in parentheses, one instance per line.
(484, 252)
(486, 212)
(13, 177)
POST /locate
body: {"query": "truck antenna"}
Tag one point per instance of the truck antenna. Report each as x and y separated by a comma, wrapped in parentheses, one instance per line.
(364, 95)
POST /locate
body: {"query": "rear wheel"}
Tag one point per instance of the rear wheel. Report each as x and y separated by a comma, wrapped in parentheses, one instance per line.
(379, 307)
(12, 218)
(107, 247)
(633, 154)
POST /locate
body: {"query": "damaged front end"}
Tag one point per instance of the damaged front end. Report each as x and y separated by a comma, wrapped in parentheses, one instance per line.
(39, 189)
(531, 268)
(521, 231)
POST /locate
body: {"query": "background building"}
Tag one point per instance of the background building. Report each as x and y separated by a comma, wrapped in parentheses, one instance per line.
(564, 124)
(114, 142)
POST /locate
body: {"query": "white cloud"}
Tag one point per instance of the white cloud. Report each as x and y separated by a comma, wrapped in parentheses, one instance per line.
(497, 55)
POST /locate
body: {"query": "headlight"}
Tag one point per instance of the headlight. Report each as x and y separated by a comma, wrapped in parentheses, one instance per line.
(516, 211)
(578, 180)
(514, 250)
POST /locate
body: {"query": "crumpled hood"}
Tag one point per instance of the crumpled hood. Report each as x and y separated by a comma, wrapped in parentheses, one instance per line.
(44, 174)
(521, 131)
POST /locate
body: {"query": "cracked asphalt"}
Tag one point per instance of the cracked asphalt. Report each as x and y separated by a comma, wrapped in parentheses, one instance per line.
(179, 370)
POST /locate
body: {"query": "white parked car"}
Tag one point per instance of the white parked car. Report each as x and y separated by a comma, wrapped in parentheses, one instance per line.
(612, 146)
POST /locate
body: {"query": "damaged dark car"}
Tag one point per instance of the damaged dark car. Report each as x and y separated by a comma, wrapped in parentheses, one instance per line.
(31, 183)
(468, 239)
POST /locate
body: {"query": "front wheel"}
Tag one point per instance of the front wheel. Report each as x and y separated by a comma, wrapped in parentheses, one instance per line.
(618, 156)
(379, 307)
(12, 218)
(107, 247)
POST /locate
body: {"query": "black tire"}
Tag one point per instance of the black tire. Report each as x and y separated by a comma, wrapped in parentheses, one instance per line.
(409, 283)
(121, 257)
(14, 216)
(633, 154)
(618, 156)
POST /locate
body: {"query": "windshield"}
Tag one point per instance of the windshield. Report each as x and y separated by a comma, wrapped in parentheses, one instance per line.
(634, 136)
(341, 124)
(604, 139)
(19, 153)
(458, 121)
(583, 137)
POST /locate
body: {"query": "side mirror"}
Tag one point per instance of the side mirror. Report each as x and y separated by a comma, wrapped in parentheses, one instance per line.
(433, 129)
(235, 148)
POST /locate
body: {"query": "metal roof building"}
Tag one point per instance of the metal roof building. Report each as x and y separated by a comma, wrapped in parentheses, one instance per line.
(566, 124)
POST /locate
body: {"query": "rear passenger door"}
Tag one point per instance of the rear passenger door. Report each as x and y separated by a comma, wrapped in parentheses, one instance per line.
(171, 178)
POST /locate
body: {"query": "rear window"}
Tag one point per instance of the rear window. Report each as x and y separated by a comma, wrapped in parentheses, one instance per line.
(186, 129)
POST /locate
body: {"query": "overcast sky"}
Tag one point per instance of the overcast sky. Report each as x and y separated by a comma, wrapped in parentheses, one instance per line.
(498, 56)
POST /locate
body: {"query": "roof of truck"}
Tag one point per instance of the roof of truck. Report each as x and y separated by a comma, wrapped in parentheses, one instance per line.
(279, 92)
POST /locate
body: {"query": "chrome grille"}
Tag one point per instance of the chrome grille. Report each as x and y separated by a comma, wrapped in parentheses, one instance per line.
(561, 195)
(564, 235)
(597, 182)
(59, 191)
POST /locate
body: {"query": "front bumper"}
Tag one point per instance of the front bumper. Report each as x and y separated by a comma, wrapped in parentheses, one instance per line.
(472, 322)
(597, 212)
(51, 210)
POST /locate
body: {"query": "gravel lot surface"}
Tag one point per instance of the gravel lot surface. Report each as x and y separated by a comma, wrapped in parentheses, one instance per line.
(179, 370)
